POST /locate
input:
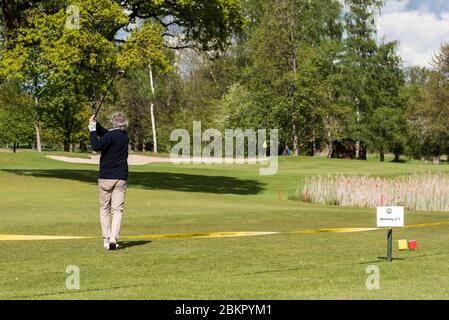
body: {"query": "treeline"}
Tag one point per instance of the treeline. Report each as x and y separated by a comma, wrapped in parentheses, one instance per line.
(316, 70)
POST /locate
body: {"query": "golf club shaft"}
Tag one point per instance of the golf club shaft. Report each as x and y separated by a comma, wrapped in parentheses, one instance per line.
(104, 96)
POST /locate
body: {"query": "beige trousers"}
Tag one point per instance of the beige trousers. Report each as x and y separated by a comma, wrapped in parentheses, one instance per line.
(112, 200)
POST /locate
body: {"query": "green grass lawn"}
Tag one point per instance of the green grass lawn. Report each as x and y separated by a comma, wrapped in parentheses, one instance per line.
(40, 196)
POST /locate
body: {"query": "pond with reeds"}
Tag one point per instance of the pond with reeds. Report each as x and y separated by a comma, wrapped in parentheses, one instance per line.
(420, 192)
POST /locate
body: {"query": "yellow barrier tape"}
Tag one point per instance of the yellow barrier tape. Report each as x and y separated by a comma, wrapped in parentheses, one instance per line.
(6, 237)
(201, 235)
(431, 224)
(352, 230)
(336, 230)
(147, 236)
(10, 237)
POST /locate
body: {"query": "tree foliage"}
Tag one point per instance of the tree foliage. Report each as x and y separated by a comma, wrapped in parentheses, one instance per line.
(315, 70)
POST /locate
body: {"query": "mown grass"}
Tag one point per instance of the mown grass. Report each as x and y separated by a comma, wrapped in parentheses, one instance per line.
(46, 197)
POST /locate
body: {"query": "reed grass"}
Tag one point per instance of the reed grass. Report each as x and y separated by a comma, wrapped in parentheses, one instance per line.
(420, 192)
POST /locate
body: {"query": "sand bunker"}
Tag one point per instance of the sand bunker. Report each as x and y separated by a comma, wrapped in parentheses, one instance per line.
(137, 160)
(133, 160)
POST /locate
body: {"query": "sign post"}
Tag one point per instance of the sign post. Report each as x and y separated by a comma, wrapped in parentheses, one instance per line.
(390, 245)
(390, 217)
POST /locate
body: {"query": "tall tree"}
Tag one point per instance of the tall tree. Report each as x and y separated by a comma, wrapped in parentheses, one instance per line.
(427, 94)
(386, 128)
(358, 63)
(89, 54)
(16, 114)
(414, 95)
(437, 106)
(278, 45)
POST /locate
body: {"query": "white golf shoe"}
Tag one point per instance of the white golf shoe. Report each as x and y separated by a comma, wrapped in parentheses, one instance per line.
(106, 244)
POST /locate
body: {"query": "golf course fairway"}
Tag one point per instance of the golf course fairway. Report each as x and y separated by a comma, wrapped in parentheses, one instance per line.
(277, 255)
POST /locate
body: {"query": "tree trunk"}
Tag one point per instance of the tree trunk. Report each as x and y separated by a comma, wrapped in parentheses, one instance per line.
(38, 137)
(397, 157)
(135, 142)
(9, 9)
(66, 146)
(293, 66)
(37, 127)
(295, 142)
(382, 155)
(83, 147)
(14, 147)
(153, 121)
(357, 144)
(331, 149)
(329, 139)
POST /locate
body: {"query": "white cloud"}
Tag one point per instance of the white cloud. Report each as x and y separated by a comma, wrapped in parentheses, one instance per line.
(395, 6)
(419, 31)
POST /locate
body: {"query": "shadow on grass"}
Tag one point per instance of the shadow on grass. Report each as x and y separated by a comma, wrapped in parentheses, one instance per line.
(269, 271)
(40, 295)
(400, 161)
(382, 259)
(130, 244)
(158, 181)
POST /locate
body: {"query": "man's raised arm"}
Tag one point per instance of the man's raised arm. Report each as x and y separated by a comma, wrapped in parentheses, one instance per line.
(98, 138)
(100, 130)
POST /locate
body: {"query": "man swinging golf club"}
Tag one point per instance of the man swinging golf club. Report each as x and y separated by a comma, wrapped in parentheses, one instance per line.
(113, 176)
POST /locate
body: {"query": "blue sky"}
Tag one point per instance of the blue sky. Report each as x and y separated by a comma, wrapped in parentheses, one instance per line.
(419, 25)
(435, 6)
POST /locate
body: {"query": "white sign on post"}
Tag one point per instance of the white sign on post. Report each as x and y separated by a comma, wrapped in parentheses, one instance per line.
(390, 216)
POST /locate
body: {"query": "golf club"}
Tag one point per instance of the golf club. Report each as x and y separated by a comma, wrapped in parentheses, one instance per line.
(120, 72)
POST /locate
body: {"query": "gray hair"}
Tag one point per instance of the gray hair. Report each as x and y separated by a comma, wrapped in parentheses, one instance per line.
(119, 121)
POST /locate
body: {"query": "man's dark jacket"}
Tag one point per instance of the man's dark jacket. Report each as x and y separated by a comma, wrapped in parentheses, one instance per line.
(113, 145)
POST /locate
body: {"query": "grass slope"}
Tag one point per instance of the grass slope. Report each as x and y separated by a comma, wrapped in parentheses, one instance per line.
(45, 197)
